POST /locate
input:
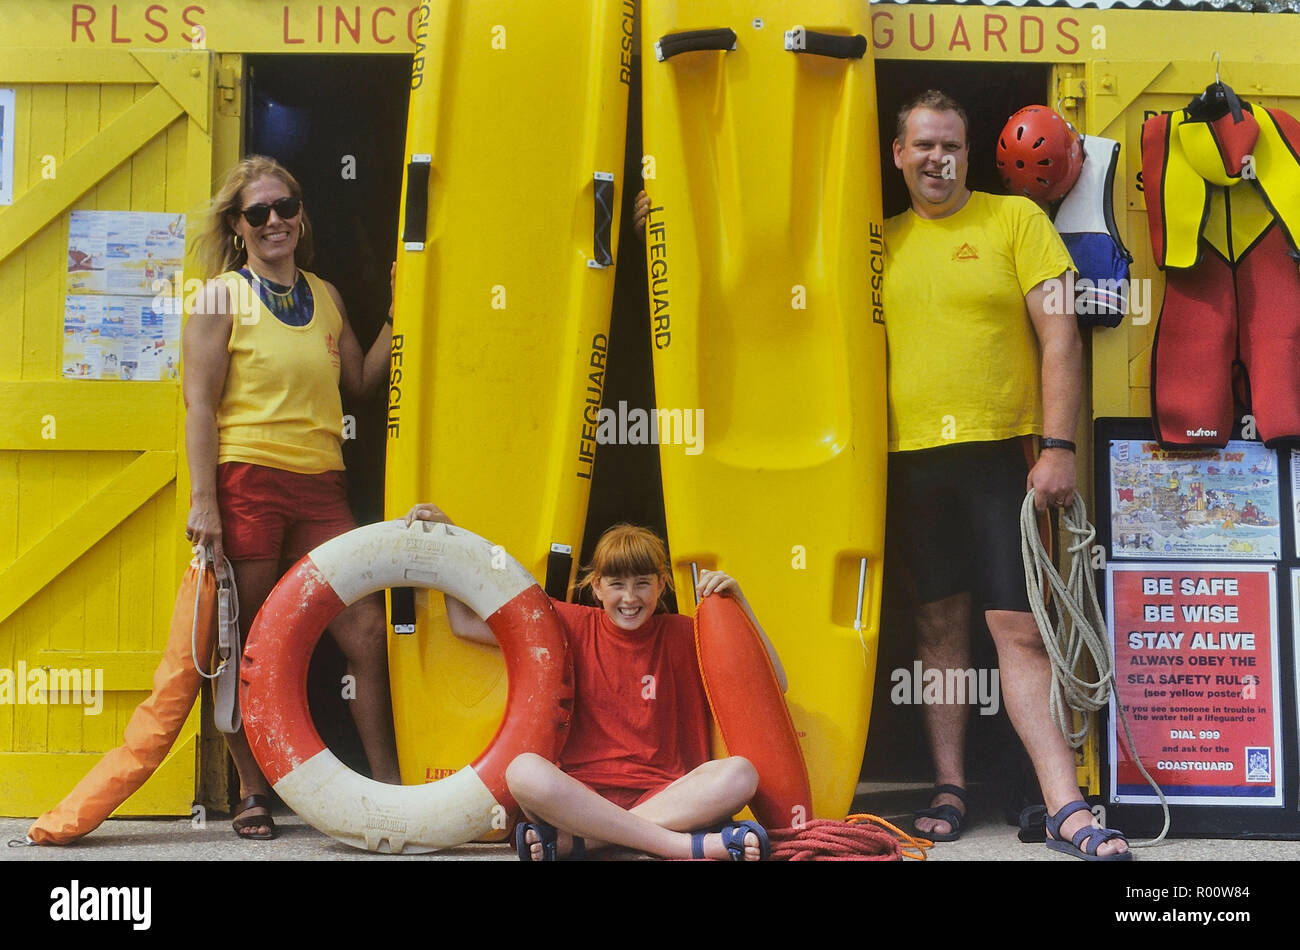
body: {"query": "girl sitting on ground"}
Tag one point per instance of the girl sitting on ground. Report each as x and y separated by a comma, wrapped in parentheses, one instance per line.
(635, 769)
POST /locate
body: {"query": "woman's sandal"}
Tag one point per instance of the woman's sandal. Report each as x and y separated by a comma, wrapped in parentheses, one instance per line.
(945, 812)
(1084, 843)
(242, 821)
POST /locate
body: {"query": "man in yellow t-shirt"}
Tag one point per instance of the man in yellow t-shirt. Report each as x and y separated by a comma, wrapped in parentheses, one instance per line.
(978, 365)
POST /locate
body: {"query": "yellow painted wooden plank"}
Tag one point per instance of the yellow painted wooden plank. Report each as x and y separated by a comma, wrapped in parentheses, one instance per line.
(8, 551)
(149, 174)
(174, 176)
(30, 633)
(13, 277)
(22, 135)
(46, 249)
(67, 598)
(199, 173)
(113, 190)
(100, 569)
(169, 546)
(13, 272)
(81, 116)
(90, 415)
(67, 592)
(33, 783)
(64, 725)
(1109, 377)
(1139, 370)
(186, 75)
(84, 168)
(8, 509)
(89, 66)
(135, 588)
(122, 670)
(72, 537)
(43, 303)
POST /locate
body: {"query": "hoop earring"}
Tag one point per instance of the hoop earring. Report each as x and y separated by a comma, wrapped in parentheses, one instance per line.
(302, 229)
(238, 242)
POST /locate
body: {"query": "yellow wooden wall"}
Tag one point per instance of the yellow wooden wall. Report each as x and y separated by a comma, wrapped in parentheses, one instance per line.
(91, 519)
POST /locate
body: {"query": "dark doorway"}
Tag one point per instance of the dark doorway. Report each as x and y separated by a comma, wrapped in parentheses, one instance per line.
(338, 123)
(896, 748)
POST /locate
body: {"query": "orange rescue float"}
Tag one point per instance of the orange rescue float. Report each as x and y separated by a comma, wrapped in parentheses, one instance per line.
(273, 688)
(750, 711)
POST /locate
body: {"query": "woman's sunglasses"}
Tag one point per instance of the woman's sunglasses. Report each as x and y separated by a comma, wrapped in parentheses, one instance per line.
(257, 215)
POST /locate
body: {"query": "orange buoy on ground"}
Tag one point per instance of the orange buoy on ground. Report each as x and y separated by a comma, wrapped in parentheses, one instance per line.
(273, 688)
(750, 710)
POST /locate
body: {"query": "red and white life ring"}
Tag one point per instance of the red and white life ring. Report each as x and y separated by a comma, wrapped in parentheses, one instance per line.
(273, 685)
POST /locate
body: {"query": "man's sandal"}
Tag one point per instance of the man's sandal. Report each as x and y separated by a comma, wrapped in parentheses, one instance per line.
(945, 812)
(1084, 843)
(733, 839)
(548, 838)
(242, 821)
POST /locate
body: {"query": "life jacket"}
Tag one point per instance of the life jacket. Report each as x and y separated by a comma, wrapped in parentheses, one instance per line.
(1222, 183)
(1086, 223)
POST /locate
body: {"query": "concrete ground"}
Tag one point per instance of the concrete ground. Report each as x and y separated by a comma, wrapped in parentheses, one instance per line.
(181, 877)
(986, 837)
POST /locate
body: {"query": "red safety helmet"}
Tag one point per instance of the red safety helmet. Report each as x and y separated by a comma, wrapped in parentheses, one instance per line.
(1039, 154)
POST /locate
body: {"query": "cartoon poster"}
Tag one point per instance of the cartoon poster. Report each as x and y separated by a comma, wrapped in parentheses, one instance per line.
(1208, 503)
(7, 98)
(119, 322)
(1196, 661)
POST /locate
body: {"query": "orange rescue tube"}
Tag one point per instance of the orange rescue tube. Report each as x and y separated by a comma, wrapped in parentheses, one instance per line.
(153, 726)
(750, 711)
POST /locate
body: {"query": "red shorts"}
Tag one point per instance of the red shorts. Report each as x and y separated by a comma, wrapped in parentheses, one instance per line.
(629, 798)
(271, 514)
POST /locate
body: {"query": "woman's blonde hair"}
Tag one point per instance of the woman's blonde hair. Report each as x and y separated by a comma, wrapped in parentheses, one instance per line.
(627, 550)
(214, 248)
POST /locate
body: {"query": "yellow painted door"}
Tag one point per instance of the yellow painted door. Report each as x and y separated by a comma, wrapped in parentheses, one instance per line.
(91, 510)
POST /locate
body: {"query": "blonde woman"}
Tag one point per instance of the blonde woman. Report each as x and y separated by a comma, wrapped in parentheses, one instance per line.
(266, 350)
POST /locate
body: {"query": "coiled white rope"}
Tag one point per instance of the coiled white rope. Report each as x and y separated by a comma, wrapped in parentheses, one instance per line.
(1074, 626)
(228, 605)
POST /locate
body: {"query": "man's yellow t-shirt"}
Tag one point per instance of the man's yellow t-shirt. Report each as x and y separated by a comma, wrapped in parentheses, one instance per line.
(963, 354)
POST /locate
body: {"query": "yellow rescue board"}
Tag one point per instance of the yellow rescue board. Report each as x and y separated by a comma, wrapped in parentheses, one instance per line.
(505, 277)
(765, 264)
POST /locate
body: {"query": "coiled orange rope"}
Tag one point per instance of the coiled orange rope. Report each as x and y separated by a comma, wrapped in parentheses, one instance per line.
(854, 839)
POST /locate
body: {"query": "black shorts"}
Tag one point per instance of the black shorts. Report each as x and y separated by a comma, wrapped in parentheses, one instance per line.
(954, 520)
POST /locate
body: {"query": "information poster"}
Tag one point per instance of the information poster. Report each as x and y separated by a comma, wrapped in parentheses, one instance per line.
(6, 146)
(1221, 504)
(1295, 498)
(1295, 625)
(120, 319)
(1195, 650)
